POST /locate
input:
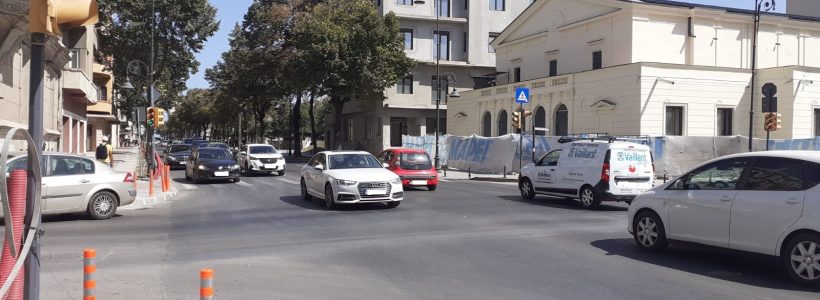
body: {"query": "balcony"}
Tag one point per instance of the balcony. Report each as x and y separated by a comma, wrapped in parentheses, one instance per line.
(78, 87)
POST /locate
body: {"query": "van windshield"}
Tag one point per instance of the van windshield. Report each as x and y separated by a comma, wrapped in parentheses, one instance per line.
(415, 161)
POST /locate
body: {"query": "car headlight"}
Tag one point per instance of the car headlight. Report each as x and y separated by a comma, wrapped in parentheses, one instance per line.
(202, 167)
(172, 158)
(395, 181)
(253, 158)
(345, 182)
(235, 167)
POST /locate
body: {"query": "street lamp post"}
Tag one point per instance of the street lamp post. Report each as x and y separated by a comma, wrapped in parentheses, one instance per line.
(437, 37)
(760, 6)
(150, 69)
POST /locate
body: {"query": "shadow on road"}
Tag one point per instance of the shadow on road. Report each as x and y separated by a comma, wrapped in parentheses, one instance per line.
(561, 203)
(317, 204)
(723, 264)
(182, 180)
(72, 218)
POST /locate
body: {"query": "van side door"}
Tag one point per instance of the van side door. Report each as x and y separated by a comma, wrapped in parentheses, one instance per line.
(544, 177)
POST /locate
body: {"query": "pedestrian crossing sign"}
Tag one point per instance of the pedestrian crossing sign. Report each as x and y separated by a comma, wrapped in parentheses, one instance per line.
(522, 95)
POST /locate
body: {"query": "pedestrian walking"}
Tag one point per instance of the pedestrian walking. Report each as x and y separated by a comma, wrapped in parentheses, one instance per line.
(104, 152)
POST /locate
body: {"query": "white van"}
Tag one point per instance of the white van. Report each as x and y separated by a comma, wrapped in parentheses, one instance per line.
(593, 170)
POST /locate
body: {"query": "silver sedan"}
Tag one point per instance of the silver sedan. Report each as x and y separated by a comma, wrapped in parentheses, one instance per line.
(74, 184)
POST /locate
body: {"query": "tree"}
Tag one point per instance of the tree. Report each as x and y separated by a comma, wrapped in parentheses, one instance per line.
(182, 27)
(348, 51)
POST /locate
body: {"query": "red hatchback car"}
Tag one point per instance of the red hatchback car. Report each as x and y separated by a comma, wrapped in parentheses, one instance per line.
(413, 166)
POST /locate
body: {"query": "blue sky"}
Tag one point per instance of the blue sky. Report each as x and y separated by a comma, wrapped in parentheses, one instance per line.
(230, 12)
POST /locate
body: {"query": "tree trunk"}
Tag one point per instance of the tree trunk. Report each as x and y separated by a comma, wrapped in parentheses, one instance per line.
(312, 122)
(296, 126)
(260, 119)
(338, 104)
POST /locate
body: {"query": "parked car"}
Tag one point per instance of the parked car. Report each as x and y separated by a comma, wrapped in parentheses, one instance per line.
(347, 177)
(176, 155)
(592, 170)
(207, 164)
(261, 158)
(219, 145)
(74, 184)
(199, 143)
(413, 166)
(761, 202)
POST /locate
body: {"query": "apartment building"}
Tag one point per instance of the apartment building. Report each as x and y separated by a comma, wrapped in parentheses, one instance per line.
(649, 67)
(79, 90)
(466, 61)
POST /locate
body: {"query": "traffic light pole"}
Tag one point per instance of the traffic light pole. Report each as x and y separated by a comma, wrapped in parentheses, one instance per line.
(521, 140)
(35, 129)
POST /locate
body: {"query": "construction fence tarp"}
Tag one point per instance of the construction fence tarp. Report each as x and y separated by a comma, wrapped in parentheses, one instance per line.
(672, 155)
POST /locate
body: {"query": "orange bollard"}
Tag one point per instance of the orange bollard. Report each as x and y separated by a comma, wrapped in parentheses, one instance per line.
(150, 184)
(206, 284)
(168, 172)
(165, 179)
(89, 268)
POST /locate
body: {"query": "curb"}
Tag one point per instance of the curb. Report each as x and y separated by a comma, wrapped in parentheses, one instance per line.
(490, 179)
(143, 201)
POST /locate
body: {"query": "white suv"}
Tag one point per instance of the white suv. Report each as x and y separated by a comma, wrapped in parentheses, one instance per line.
(261, 158)
(592, 170)
(762, 202)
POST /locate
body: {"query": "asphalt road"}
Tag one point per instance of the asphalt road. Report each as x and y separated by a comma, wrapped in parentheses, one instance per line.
(467, 240)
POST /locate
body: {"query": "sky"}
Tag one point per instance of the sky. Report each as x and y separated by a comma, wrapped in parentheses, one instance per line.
(229, 12)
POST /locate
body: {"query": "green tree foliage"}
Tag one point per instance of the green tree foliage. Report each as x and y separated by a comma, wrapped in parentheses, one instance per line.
(194, 113)
(182, 27)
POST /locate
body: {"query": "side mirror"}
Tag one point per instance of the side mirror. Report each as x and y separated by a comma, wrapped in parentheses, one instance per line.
(679, 185)
(385, 165)
(319, 167)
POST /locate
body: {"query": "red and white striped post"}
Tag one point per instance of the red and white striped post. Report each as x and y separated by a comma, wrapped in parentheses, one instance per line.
(89, 268)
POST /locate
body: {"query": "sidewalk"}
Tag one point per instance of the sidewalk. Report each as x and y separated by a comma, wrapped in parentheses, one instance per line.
(459, 175)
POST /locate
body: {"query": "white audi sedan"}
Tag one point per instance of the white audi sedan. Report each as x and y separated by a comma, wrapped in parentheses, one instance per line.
(761, 202)
(348, 177)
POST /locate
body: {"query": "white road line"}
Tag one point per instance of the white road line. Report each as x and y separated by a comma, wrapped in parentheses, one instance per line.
(242, 183)
(189, 187)
(267, 183)
(291, 181)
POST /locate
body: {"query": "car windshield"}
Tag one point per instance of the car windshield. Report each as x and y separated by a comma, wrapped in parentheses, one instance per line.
(218, 145)
(262, 149)
(415, 161)
(196, 144)
(353, 161)
(205, 154)
(179, 148)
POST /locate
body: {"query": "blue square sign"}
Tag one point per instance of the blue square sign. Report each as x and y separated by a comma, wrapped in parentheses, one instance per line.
(522, 95)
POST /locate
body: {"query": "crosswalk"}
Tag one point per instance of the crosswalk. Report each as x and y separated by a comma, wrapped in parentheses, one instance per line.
(246, 182)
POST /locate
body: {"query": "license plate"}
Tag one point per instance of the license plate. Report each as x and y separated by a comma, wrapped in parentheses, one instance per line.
(270, 166)
(182, 163)
(418, 182)
(375, 192)
(221, 174)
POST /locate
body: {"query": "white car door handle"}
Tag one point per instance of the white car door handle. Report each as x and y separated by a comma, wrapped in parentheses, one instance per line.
(725, 199)
(84, 181)
(792, 202)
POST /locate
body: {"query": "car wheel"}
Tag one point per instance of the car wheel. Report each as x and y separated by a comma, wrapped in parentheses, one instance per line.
(431, 187)
(329, 203)
(393, 204)
(281, 173)
(649, 233)
(526, 188)
(103, 205)
(305, 195)
(589, 199)
(801, 258)
(237, 179)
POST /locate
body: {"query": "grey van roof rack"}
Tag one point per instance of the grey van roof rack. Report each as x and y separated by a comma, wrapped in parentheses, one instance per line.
(639, 139)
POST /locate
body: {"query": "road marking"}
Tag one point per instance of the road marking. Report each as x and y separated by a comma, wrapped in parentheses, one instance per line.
(291, 181)
(189, 187)
(267, 183)
(242, 183)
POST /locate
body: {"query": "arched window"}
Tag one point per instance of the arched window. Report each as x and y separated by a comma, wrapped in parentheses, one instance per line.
(487, 125)
(561, 120)
(540, 120)
(502, 123)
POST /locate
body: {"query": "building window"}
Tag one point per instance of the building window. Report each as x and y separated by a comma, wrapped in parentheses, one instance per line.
(405, 85)
(442, 90)
(443, 8)
(74, 59)
(597, 60)
(378, 2)
(502, 123)
(517, 74)
(431, 126)
(553, 67)
(561, 120)
(466, 41)
(443, 39)
(540, 120)
(487, 124)
(349, 126)
(817, 122)
(407, 36)
(404, 2)
(368, 128)
(724, 121)
(493, 35)
(379, 127)
(497, 5)
(674, 120)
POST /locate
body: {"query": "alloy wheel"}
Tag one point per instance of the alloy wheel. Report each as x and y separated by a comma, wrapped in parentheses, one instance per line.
(526, 186)
(587, 197)
(103, 204)
(805, 260)
(647, 232)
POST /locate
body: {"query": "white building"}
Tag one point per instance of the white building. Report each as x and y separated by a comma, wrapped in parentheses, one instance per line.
(649, 67)
(467, 27)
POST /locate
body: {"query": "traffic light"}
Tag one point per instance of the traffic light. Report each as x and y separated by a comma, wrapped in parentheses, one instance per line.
(151, 117)
(773, 121)
(516, 119)
(527, 113)
(52, 16)
(159, 119)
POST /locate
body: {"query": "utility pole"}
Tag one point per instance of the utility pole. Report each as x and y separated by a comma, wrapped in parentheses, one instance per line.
(760, 6)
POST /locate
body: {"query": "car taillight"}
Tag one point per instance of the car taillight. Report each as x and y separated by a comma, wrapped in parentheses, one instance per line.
(129, 177)
(605, 172)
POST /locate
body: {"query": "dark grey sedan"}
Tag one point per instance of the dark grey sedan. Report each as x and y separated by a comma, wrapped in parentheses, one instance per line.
(206, 164)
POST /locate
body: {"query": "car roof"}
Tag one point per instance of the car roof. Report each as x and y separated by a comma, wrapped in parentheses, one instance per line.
(334, 152)
(407, 150)
(812, 156)
(209, 148)
(256, 145)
